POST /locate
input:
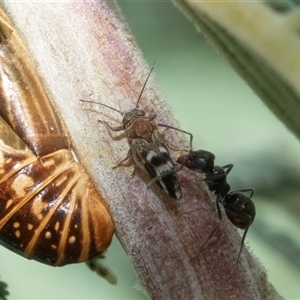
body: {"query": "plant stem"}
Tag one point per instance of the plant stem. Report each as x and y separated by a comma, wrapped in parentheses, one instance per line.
(84, 50)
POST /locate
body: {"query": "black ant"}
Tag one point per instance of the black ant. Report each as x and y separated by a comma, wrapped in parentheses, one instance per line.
(238, 206)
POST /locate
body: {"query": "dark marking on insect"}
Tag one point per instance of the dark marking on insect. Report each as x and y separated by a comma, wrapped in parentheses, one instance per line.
(147, 147)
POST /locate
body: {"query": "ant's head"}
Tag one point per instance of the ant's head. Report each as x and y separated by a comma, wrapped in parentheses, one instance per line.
(200, 161)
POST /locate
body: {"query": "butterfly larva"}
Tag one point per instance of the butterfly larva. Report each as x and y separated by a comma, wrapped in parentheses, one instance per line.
(50, 210)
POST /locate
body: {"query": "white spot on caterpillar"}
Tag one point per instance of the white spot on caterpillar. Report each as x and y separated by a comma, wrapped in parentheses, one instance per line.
(48, 235)
(61, 180)
(37, 208)
(56, 226)
(16, 224)
(8, 203)
(72, 239)
(48, 163)
(21, 184)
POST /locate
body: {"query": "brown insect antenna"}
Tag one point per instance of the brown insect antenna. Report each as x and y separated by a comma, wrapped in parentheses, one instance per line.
(102, 104)
(143, 88)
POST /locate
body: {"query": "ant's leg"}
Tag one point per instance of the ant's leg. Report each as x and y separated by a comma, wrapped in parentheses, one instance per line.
(213, 177)
(227, 168)
(223, 174)
(250, 220)
(251, 190)
(216, 227)
(240, 210)
(218, 208)
(210, 236)
(242, 241)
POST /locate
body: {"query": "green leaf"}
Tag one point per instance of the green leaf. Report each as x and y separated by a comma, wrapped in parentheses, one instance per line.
(3, 290)
(261, 41)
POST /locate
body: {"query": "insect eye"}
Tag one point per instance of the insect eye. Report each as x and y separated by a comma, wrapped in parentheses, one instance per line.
(192, 158)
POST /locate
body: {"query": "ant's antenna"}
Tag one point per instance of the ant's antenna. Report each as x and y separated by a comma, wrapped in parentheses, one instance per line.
(137, 103)
(180, 130)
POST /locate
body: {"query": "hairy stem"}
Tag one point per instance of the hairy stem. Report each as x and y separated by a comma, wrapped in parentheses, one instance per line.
(84, 50)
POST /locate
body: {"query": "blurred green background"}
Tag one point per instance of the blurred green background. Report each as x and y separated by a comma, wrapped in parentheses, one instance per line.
(210, 100)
